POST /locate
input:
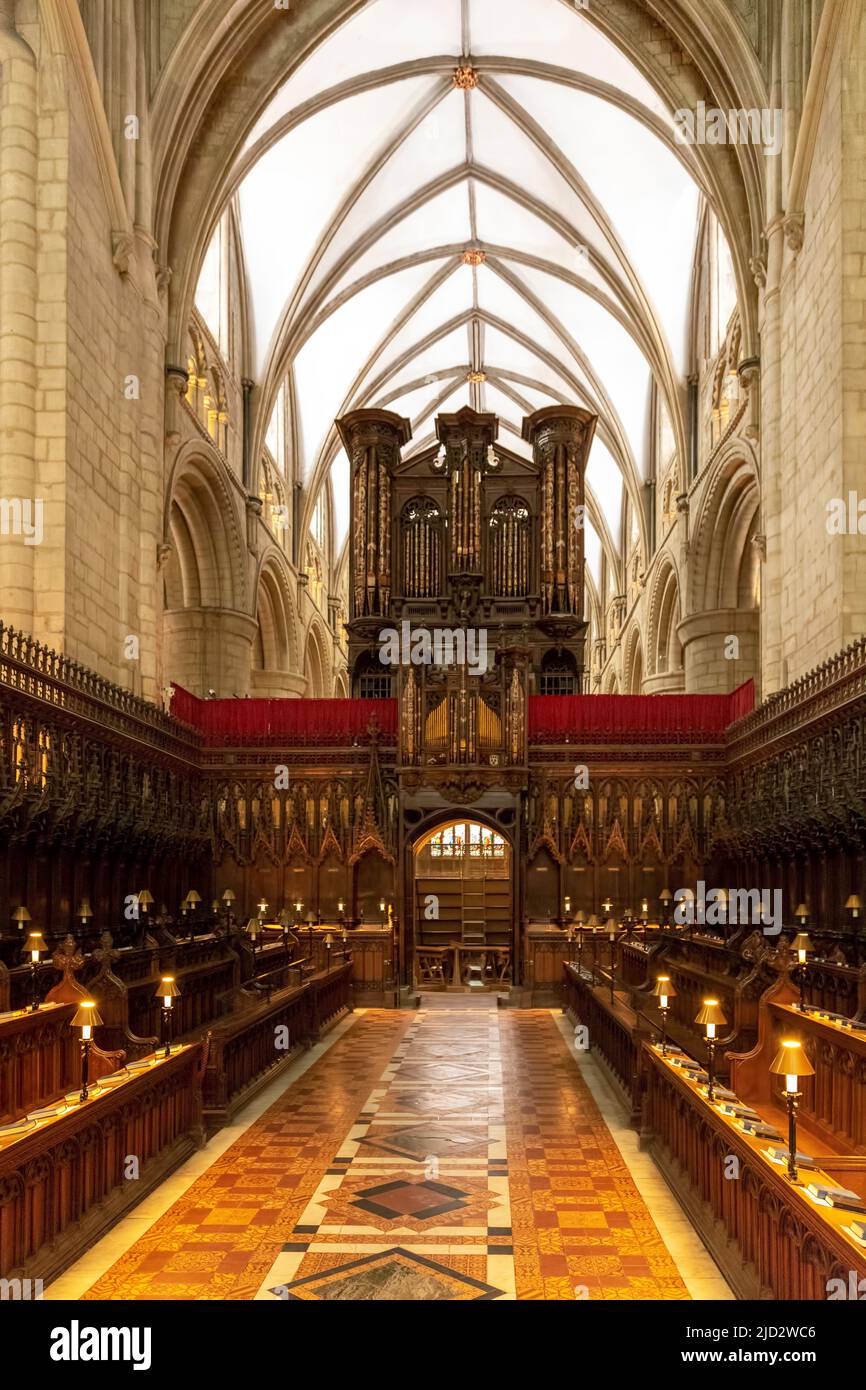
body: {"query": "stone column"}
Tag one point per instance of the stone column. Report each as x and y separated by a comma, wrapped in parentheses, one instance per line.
(707, 637)
(26, 515)
(211, 649)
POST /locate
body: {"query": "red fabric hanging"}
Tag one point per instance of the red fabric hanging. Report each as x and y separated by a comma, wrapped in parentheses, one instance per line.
(552, 718)
(557, 718)
(295, 721)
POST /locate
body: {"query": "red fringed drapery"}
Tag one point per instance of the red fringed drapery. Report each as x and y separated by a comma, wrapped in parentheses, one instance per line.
(557, 718)
(552, 718)
(333, 722)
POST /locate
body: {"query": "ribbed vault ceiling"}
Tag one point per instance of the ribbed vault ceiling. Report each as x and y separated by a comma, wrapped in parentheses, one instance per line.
(371, 174)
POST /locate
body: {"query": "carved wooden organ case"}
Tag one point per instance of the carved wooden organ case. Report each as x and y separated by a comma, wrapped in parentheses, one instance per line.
(480, 548)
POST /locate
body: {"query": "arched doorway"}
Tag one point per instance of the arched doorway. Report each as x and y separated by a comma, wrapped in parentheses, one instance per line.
(462, 900)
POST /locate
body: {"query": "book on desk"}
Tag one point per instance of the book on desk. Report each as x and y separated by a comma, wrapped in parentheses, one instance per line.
(759, 1129)
(837, 1196)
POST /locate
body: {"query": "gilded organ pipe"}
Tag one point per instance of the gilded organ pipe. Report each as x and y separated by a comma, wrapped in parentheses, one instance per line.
(372, 440)
(561, 438)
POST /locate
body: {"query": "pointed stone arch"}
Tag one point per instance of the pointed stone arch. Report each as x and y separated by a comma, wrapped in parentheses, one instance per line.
(317, 662)
(722, 557)
(207, 633)
(276, 657)
(664, 648)
(633, 663)
(720, 636)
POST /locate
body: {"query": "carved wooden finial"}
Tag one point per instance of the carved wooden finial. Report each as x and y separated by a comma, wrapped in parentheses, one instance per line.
(68, 959)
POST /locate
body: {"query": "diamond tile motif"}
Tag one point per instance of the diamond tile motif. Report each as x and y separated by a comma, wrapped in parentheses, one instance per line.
(441, 1102)
(419, 1141)
(393, 1276)
(422, 1200)
(441, 1071)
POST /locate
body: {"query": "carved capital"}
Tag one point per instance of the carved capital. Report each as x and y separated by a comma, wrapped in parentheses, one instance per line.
(794, 228)
(177, 379)
(122, 250)
(163, 279)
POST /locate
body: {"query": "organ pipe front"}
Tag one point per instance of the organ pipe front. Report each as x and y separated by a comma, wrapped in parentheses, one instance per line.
(467, 438)
(561, 437)
(372, 440)
(509, 548)
(422, 539)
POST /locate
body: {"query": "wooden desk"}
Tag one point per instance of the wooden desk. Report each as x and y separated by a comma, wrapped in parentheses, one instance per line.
(65, 1182)
(39, 1058)
(833, 1107)
(769, 1237)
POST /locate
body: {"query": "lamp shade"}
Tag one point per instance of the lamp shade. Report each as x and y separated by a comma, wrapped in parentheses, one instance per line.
(229, 896)
(21, 915)
(145, 898)
(801, 942)
(710, 1014)
(801, 912)
(87, 1015)
(593, 921)
(167, 988)
(791, 1060)
(664, 987)
(853, 904)
(193, 897)
(34, 944)
(85, 912)
(580, 918)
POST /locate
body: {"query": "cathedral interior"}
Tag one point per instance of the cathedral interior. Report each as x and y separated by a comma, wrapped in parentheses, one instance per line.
(432, 655)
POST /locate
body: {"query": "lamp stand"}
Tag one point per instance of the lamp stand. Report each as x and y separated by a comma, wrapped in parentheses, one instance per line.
(711, 1070)
(85, 1069)
(166, 1030)
(664, 1014)
(34, 992)
(792, 1099)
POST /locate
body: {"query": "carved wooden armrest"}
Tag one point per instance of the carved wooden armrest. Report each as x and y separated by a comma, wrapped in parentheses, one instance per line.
(140, 1047)
(102, 1063)
(203, 1058)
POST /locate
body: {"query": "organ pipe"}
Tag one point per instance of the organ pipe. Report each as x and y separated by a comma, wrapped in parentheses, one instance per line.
(372, 440)
(561, 438)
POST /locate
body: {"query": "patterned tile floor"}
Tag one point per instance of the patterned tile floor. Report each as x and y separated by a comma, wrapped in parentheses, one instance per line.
(443, 1154)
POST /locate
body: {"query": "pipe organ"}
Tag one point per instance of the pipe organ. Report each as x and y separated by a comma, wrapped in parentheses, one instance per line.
(421, 544)
(509, 548)
(372, 440)
(485, 591)
(561, 437)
